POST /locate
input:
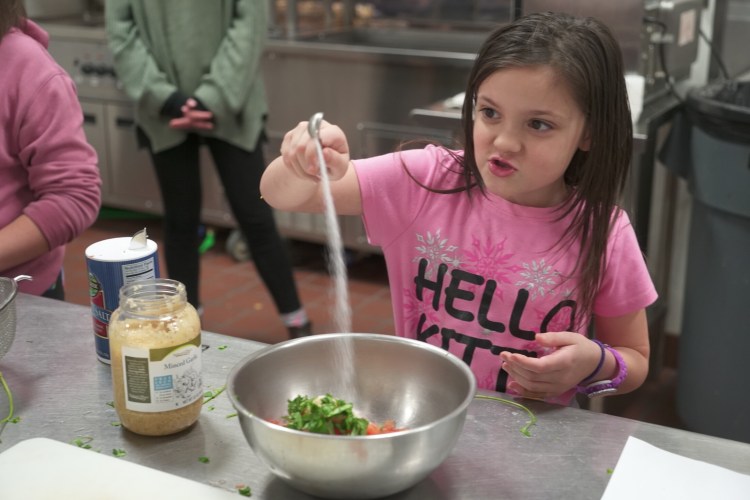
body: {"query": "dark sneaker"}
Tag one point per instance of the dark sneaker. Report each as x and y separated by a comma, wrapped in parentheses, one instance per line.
(296, 332)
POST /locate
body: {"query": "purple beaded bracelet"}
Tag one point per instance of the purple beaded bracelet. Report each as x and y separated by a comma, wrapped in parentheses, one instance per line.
(607, 386)
(598, 366)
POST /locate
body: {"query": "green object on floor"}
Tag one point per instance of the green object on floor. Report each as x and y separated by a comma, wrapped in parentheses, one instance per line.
(118, 213)
(208, 241)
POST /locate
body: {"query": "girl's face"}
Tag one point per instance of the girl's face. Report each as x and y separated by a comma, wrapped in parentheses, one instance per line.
(527, 126)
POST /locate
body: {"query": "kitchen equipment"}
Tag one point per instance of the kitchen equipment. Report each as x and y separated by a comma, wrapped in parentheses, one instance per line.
(51, 9)
(8, 291)
(709, 147)
(41, 469)
(425, 389)
(378, 76)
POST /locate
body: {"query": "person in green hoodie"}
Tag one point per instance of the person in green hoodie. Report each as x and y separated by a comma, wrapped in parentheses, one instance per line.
(193, 70)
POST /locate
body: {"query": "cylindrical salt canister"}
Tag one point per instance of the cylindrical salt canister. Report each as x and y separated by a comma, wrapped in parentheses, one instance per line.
(111, 264)
(155, 342)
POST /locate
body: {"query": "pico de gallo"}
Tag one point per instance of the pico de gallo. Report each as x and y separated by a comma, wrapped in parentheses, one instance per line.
(329, 415)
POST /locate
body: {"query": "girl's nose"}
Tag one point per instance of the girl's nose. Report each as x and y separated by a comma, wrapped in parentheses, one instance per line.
(508, 140)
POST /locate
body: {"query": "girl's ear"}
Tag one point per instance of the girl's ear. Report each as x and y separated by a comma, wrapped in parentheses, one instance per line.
(585, 143)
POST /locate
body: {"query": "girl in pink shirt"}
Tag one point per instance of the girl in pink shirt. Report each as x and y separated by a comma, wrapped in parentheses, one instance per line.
(505, 253)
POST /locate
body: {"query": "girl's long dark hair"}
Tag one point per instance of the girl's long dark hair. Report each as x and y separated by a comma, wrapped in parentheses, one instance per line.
(12, 14)
(586, 56)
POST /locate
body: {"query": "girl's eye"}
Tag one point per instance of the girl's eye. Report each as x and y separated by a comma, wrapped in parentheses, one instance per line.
(488, 112)
(540, 125)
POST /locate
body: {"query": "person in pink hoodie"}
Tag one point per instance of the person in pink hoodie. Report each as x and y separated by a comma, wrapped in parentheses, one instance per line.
(49, 179)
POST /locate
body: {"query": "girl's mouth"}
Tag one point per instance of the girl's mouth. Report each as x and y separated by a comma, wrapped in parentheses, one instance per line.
(500, 167)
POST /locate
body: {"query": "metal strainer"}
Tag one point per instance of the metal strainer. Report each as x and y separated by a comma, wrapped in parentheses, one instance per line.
(8, 291)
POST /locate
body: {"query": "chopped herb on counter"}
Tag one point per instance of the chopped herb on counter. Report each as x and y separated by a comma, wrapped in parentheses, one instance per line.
(232, 415)
(83, 442)
(525, 429)
(8, 392)
(212, 394)
(244, 491)
(118, 452)
(116, 424)
(222, 347)
(203, 460)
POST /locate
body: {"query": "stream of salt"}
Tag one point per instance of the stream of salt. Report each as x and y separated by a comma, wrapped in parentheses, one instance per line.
(342, 313)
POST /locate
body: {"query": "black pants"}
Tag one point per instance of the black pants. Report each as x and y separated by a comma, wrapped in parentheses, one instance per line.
(178, 172)
(57, 290)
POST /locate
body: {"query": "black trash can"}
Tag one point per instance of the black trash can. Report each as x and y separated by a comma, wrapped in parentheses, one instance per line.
(709, 145)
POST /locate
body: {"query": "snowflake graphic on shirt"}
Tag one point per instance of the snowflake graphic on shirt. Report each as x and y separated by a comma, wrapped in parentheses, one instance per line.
(538, 278)
(492, 261)
(436, 251)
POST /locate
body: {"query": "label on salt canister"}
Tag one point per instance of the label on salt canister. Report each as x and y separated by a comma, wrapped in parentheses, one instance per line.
(111, 264)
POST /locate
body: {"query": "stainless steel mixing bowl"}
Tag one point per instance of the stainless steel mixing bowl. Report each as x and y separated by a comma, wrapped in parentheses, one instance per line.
(426, 390)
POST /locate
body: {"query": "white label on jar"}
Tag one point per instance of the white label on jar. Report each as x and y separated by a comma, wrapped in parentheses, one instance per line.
(162, 379)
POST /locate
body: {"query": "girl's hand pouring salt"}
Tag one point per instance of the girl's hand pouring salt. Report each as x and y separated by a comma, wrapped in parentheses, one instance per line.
(299, 151)
(292, 181)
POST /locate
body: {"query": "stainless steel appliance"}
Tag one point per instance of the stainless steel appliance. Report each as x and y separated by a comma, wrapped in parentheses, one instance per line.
(365, 80)
(50, 9)
(659, 38)
(369, 75)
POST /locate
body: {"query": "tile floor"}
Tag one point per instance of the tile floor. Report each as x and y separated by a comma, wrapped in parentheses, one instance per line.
(236, 302)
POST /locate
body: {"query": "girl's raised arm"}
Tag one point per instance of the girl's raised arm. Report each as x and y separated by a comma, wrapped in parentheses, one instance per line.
(291, 182)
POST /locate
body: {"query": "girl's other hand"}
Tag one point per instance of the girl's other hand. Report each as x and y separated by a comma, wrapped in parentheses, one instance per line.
(574, 357)
(300, 153)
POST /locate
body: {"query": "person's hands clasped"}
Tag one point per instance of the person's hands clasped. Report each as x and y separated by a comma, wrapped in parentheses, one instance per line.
(574, 358)
(193, 118)
(300, 153)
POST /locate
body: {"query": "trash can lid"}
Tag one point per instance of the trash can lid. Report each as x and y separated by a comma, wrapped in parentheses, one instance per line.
(729, 100)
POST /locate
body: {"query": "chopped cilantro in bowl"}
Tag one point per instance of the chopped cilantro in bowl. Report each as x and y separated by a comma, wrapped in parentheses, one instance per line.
(324, 415)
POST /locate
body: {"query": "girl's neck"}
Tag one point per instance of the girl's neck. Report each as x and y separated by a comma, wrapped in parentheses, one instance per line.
(553, 199)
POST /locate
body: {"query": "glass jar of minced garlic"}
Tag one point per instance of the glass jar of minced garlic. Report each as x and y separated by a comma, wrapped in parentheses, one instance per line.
(155, 351)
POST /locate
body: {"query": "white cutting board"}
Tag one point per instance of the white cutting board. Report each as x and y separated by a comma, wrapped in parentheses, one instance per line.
(44, 469)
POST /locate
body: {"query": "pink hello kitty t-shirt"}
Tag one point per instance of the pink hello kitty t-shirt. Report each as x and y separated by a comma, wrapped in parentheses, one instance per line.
(480, 275)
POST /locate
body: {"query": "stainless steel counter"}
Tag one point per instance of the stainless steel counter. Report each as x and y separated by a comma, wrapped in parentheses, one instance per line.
(62, 392)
